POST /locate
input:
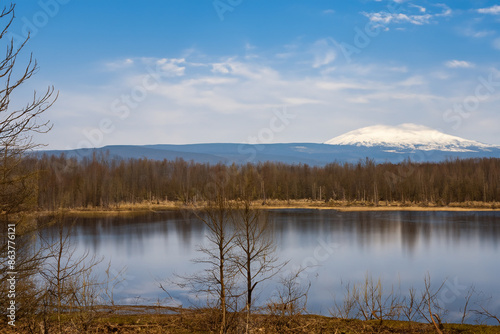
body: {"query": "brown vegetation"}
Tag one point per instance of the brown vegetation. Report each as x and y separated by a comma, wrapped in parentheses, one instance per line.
(103, 182)
(157, 320)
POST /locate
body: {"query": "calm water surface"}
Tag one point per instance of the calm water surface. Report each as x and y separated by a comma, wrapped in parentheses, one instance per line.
(400, 248)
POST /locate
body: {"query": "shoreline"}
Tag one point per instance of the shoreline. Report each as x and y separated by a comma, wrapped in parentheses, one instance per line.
(137, 209)
(130, 319)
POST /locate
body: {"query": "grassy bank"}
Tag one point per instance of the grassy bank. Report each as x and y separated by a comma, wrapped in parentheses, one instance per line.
(189, 321)
(131, 209)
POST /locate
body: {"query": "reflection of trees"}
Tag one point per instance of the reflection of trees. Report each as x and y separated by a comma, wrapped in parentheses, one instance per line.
(302, 228)
(132, 234)
(365, 230)
(409, 237)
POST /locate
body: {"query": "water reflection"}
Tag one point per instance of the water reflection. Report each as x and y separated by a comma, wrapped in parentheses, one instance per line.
(411, 230)
(391, 245)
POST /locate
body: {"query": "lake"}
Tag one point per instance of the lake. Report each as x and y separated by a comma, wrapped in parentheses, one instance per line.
(400, 248)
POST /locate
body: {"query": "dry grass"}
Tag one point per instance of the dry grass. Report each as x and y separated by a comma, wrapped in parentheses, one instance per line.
(382, 206)
(203, 321)
(133, 209)
(122, 209)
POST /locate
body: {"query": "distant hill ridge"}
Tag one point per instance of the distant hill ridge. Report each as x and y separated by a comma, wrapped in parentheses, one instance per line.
(380, 143)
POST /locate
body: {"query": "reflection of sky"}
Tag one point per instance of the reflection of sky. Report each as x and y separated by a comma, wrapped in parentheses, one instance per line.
(400, 248)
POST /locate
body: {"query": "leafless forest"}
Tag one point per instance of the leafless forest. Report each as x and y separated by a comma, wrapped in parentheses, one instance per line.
(103, 182)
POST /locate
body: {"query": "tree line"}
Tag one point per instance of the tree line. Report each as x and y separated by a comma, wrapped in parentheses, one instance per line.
(102, 181)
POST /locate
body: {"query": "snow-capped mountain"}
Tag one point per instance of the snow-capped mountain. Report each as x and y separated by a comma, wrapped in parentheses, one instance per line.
(408, 137)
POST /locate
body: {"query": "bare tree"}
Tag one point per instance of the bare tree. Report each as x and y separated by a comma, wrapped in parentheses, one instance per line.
(484, 311)
(18, 180)
(217, 280)
(17, 125)
(374, 303)
(470, 293)
(257, 260)
(411, 305)
(431, 310)
(68, 276)
(347, 308)
(289, 302)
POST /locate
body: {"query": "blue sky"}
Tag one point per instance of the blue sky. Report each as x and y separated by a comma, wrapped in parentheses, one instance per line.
(185, 71)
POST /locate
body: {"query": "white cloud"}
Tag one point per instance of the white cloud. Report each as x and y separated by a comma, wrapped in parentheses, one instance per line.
(446, 10)
(323, 53)
(401, 69)
(496, 43)
(494, 10)
(245, 70)
(384, 18)
(210, 81)
(221, 100)
(294, 101)
(339, 85)
(328, 12)
(328, 70)
(119, 64)
(249, 46)
(459, 64)
(171, 67)
(284, 55)
(220, 68)
(470, 32)
(420, 8)
(412, 81)
(440, 75)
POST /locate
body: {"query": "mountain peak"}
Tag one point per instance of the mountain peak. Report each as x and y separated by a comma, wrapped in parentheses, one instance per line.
(407, 136)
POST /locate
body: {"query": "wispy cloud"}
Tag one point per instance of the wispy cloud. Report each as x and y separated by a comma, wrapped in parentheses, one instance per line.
(119, 64)
(210, 99)
(496, 43)
(323, 53)
(171, 67)
(459, 64)
(470, 32)
(494, 10)
(385, 18)
(420, 8)
(243, 69)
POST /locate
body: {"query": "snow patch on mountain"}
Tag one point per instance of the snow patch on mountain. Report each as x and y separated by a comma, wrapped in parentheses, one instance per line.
(408, 136)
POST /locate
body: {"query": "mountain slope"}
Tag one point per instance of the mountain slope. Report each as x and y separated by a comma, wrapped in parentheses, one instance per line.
(380, 143)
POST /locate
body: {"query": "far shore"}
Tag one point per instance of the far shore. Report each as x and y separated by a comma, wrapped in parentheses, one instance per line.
(137, 209)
